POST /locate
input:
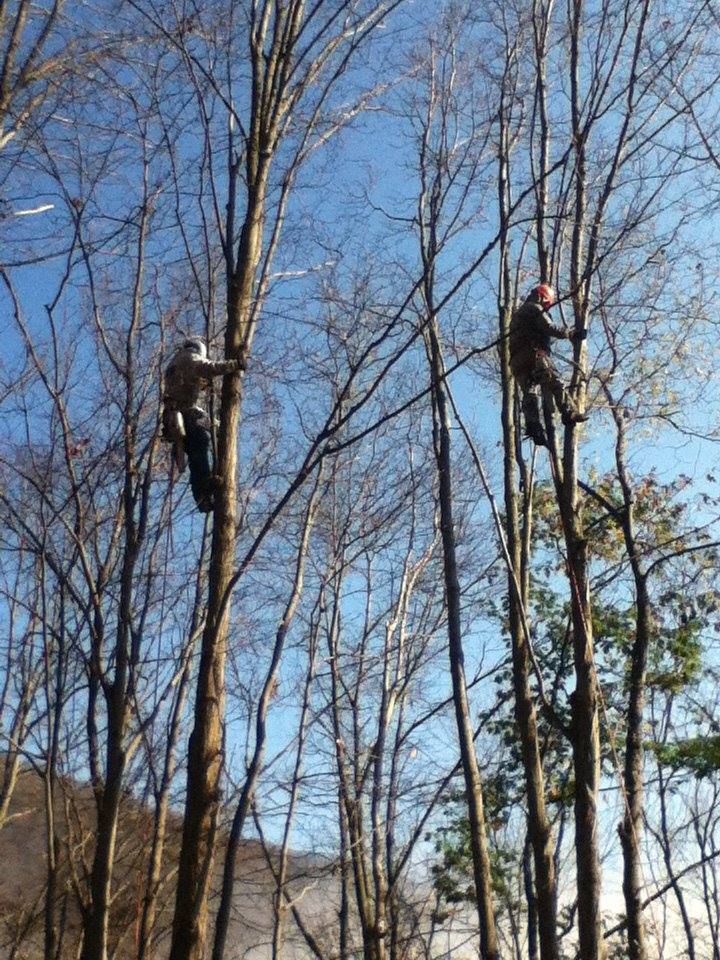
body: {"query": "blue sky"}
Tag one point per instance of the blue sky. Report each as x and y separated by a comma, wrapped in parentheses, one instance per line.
(341, 195)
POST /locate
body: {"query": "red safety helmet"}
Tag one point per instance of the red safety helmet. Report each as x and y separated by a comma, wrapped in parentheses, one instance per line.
(545, 294)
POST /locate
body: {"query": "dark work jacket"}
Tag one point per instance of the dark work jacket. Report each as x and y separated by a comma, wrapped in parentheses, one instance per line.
(531, 330)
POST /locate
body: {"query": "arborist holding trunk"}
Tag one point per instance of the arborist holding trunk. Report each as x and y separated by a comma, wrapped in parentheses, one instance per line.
(531, 333)
(185, 423)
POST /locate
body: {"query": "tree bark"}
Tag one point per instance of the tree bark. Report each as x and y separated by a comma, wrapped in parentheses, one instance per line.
(54, 700)
(351, 805)
(280, 75)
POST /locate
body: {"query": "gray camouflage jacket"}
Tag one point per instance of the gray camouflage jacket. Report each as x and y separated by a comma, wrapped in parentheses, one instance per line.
(187, 375)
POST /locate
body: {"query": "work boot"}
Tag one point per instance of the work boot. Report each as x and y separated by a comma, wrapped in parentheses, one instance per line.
(531, 412)
(572, 415)
(205, 503)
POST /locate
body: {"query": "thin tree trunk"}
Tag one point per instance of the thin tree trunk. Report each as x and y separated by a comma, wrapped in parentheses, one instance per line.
(280, 911)
(585, 730)
(205, 759)
(525, 713)
(541, 23)
(539, 829)
(667, 857)
(489, 949)
(430, 200)
(146, 931)
(344, 911)
(18, 731)
(95, 934)
(351, 804)
(248, 791)
(631, 828)
(54, 683)
(381, 832)
(584, 700)
(531, 900)
(279, 76)
(109, 792)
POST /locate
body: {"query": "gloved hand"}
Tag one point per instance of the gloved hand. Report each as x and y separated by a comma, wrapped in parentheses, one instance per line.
(577, 335)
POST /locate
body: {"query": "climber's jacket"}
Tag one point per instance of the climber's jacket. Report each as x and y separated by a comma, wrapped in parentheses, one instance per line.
(188, 373)
(531, 331)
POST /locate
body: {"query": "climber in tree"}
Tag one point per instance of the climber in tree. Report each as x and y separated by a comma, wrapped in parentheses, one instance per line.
(530, 361)
(185, 423)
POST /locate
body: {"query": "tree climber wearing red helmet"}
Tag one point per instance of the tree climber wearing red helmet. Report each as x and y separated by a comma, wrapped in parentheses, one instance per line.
(530, 361)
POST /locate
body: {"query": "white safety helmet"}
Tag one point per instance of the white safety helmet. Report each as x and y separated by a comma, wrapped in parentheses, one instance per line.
(195, 345)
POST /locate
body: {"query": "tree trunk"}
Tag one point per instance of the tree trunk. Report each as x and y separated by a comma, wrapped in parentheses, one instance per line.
(518, 586)
(584, 700)
(279, 77)
(351, 808)
(109, 793)
(54, 699)
(205, 748)
(280, 907)
(253, 773)
(586, 747)
(146, 932)
(677, 889)
(631, 827)
(531, 900)
(489, 949)
(526, 716)
(95, 927)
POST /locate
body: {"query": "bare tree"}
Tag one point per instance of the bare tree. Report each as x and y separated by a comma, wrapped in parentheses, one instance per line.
(34, 60)
(295, 56)
(434, 160)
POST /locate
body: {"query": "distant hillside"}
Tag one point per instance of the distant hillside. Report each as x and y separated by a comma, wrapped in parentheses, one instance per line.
(24, 869)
